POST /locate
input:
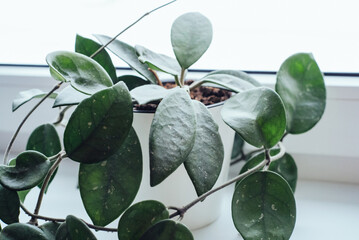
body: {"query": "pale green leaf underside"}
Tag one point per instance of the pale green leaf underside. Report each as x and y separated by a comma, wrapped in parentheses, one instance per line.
(204, 163)
(172, 135)
(25, 96)
(191, 35)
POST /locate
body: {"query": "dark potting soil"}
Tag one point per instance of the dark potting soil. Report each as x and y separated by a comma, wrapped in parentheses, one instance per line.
(207, 95)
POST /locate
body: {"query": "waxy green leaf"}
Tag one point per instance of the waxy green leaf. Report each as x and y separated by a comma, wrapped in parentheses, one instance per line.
(50, 229)
(109, 187)
(204, 163)
(257, 115)
(88, 47)
(22, 194)
(30, 169)
(168, 229)
(285, 166)
(227, 82)
(69, 96)
(172, 135)
(300, 83)
(139, 218)
(128, 54)
(263, 207)
(99, 125)
(149, 93)
(132, 81)
(158, 61)
(77, 229)
(25, 96)
(84, 73)
(62, 233)
(44, 139)
(9, 205)
(21, 231)
(191, 35)
(239, 74)
(237, 146)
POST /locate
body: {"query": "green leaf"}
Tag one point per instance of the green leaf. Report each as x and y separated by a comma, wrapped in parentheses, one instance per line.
(30, 169)
(191, 35)
(25, 96)
(84, 73)
(132, 81)
(172, 135)
(300, 83)
(204, 163)
(69, 96)
(109, 187)
(77, 229)
(257, 115)
(45, 140)
(168, 229)
(22, 194)
(139, 218)
(285, 166)
(237, 146)
(99, 125)
(128, 54)
(9, 206)
(158, 61)
(62, 233)
(50, 229)
(263, 207)
(239, 74)
(21, 231)
(227, 82)
(88, 47)
(149, 93)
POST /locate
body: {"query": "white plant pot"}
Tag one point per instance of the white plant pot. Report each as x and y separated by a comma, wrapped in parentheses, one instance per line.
(177, 190)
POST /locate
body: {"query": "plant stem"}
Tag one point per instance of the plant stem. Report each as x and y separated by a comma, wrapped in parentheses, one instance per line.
(159, 82)
(181, 211)
(182, 77)
(131, 25)
(61, 115)
(44, 186)
(24, 120)
(63, 220)
(244, 156)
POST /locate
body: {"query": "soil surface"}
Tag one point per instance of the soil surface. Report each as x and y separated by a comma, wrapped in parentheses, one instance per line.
(207, 95)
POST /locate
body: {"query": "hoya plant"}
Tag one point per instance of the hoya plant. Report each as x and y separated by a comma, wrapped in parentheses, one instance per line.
(99, 136)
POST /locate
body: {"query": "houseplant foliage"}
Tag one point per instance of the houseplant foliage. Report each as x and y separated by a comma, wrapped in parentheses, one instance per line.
(99, 135)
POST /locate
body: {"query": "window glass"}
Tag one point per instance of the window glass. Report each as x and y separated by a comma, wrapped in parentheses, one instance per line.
(248, 35)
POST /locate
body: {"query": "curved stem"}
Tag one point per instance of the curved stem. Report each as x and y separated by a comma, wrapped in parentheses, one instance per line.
(99, 228)
(183, 210)
(196, 84)
(24, 120)
(61, 115)
(182, 77)
(131, 25)
(44, 186)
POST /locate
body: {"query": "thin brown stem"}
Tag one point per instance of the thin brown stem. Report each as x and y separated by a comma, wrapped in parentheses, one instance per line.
(159, 82)
(131, 25)
(61, 115)
(44, 186)
(183, 210)
(24, 120)
(99, 228)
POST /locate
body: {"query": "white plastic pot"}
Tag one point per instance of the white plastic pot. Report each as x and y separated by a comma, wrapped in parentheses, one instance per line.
(177, 190)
